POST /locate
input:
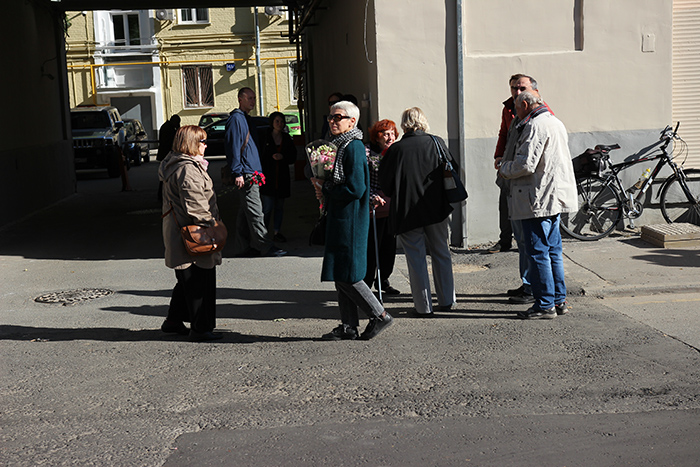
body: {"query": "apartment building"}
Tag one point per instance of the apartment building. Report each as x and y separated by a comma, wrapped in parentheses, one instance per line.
(151, 64)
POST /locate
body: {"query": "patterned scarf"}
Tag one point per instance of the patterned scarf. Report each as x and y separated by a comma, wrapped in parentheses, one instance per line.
(538, 111)
(341, 141)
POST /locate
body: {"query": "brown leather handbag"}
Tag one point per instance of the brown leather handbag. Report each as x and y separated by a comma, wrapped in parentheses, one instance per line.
(200, 240)
(204, 240)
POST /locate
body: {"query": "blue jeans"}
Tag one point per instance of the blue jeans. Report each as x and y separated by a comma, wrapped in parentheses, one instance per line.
(523, 257)
(273, 205)
(543, 247)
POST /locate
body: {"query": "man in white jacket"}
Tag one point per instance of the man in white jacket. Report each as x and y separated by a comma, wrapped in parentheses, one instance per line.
(542, 186)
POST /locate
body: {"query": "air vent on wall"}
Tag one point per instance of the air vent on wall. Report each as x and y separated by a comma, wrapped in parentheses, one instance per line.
(165, 15)
(273, 10)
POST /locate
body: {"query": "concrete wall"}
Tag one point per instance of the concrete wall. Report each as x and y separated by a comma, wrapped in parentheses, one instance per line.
(36, 157)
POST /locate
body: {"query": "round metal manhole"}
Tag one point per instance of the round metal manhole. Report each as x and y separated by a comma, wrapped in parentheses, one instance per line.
(71, 297)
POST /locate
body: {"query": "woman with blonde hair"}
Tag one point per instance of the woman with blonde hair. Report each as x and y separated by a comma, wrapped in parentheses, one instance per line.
(189, 198)
(412, 175)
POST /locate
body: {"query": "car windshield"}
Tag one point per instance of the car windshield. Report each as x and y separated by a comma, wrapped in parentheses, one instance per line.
(208, 119)
(89, 120)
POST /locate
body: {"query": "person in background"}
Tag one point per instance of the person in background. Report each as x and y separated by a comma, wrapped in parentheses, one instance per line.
(412, 174)
(243, 158)
(381, 135)
(332, 100)
(542, 186)
(346, 197)
(121, 144)
(189, 198)
(278, 153)
(166, 136)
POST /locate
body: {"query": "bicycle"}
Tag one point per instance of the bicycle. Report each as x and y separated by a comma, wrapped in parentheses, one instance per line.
(603, 200)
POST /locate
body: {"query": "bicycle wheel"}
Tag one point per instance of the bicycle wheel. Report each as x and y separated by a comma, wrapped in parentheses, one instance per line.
(676, 205)
(600, 209)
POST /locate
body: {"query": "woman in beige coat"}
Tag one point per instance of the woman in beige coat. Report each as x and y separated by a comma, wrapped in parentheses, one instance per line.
(189, 198)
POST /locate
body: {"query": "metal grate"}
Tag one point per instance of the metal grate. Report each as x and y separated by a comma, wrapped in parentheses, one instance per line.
(72, 297)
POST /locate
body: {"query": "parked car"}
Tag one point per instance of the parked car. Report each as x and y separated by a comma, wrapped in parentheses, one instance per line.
(216, 130)
(135, 149)
(211, 117)
(95, 131)
(293, 123)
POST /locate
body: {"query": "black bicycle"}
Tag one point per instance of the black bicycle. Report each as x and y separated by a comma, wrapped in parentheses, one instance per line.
(603, 200)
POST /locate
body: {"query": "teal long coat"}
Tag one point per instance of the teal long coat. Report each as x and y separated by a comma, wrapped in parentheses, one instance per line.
(347, 226)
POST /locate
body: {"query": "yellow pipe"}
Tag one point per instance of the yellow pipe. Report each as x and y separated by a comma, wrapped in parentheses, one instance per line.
(277, 87)
(93, 66)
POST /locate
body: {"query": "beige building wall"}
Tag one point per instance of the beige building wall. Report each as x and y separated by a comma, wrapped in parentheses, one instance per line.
(603, 67)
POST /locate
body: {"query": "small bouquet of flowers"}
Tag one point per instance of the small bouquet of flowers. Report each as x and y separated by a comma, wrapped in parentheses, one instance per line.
(258, 178)
(321, 154)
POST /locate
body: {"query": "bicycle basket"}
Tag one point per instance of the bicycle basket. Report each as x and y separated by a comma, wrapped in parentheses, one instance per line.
(590, 162)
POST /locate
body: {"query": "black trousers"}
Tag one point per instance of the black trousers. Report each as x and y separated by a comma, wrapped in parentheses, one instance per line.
(387, 252)
(506, 236)
(194, 298)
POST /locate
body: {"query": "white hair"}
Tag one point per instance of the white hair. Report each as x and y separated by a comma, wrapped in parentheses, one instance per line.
(350, 109)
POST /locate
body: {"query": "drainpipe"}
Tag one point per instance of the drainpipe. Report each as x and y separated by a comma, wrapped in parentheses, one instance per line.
(261, 100)
(460, 237)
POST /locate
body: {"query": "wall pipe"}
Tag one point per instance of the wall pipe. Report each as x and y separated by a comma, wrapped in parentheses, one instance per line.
(460, 119)
(261, 93)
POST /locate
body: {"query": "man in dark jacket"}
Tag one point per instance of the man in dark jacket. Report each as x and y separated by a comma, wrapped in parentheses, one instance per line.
(166, 136)
(243, 158)
(412, 175)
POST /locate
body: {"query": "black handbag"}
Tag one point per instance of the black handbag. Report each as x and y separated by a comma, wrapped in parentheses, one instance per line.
(454, 188)
(318, 234)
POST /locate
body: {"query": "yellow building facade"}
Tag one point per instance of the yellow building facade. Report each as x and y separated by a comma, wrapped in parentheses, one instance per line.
(152, 64)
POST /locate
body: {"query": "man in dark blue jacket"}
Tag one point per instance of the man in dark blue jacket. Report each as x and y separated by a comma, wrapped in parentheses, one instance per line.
(243, 158)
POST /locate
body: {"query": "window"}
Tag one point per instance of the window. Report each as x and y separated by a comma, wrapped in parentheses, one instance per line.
(194, 15)
(293, 83)
(125, 29)
(198, 85)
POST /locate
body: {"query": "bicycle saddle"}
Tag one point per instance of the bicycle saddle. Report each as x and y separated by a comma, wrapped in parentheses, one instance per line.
(607, 147)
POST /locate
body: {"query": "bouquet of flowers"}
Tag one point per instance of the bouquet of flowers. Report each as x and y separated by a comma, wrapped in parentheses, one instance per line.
(321, 156)
(258, 178)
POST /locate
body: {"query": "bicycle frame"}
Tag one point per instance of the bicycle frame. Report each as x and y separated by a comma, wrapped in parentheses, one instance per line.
(633, 206)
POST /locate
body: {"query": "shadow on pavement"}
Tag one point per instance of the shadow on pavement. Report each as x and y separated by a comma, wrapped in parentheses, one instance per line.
(39, 335)
(100, 222)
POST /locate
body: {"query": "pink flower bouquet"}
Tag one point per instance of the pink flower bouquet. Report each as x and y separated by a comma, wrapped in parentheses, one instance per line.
(321, 156)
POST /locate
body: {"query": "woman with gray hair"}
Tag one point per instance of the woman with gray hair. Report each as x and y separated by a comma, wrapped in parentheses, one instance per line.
(412, 175)
(346, 200)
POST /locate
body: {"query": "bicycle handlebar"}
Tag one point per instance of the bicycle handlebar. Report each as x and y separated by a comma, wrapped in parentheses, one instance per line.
(667, 134)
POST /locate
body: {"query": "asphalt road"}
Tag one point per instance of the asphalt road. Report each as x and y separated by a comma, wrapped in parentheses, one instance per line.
(97, 383)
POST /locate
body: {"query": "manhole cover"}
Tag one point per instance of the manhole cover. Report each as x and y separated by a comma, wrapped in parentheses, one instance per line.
(71, 297)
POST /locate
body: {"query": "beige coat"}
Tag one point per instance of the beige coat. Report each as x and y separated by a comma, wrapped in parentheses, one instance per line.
(542, 181)
(190, 191)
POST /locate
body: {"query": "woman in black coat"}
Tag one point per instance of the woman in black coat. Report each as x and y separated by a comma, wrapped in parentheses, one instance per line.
(412, 175)
(277, 154)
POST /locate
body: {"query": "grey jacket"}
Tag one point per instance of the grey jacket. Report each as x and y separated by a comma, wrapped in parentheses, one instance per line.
(190, 191)
(541, 175)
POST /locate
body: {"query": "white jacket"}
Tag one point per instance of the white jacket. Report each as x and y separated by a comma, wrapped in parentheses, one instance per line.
(542, 181)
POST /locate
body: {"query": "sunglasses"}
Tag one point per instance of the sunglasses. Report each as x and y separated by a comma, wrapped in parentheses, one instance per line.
(519, 88)
(204, 141)
(337, 118)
